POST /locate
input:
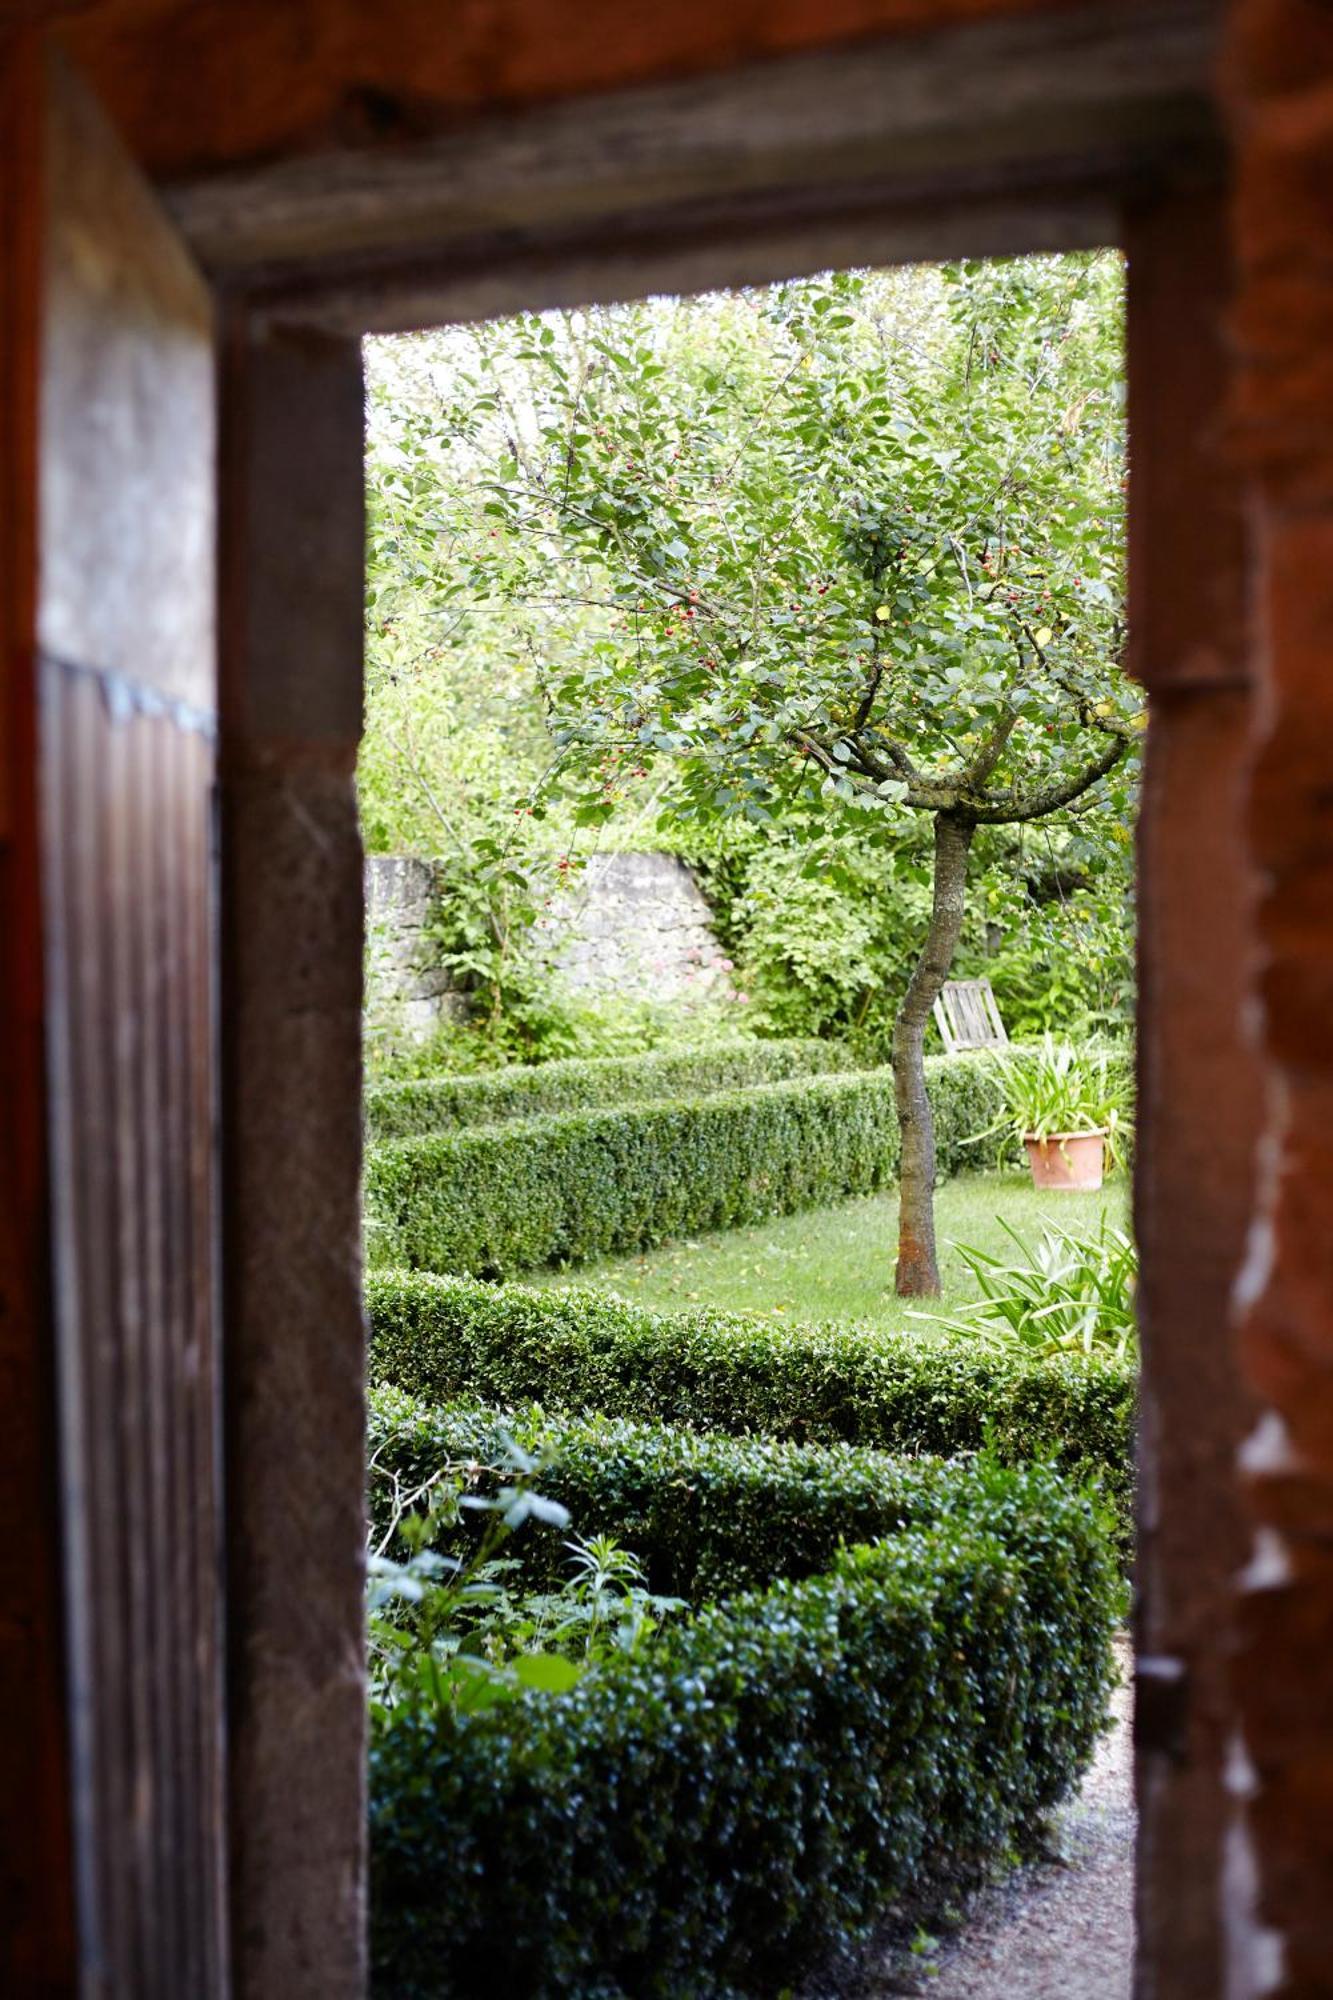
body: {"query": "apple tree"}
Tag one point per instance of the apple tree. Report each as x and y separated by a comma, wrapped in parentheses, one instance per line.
(846, 549)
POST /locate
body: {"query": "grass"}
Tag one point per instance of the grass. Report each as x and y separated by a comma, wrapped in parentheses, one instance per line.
(837, 1263)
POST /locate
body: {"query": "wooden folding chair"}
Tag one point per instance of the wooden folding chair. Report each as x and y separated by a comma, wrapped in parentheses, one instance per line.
(967, 1016)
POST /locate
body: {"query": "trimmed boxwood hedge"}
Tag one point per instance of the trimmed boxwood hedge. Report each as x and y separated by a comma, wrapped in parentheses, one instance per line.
(713, 1818)
(444, 1339)
(707, 1514)
(495, 1199)
(442, 1103)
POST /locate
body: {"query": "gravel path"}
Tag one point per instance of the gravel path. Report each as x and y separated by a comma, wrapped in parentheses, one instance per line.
(1057, 1930)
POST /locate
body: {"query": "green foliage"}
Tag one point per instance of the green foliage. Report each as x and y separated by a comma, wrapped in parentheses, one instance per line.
(1070, 1293)
(493, 1199)
(539, 1020)
(824, 554)
(1059, 934)
(1057, 1091)
(706, 1514)
(456, 748)
(440, 1103)
(443, 1339)
(436, 780)
(574, 1185)
(442, 1627)
(711, 1818)
(825, 931)
(825, 928)
(460, 1633)
(636, 573)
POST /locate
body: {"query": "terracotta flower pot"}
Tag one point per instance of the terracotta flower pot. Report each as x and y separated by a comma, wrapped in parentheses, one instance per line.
(1070, 1160)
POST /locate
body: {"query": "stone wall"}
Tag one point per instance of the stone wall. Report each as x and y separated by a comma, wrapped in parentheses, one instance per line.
(631, 926)
(407, 989)
(635, 925)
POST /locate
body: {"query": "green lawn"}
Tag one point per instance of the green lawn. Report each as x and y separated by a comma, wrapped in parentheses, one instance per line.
(837, 1263)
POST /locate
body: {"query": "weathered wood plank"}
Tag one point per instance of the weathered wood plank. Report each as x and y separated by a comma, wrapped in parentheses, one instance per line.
(979, 108)
(127, 675)
(693, 248)
(37, 1936)
(196, 85)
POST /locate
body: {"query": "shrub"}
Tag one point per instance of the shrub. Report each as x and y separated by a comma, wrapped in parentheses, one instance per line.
(558, 1189)
(706, 1514)
(441, 1103)
(714, 1817)
(447, 1338)
(541, 1021)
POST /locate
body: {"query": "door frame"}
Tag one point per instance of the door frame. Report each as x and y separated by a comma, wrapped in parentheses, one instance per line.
(1098, 127)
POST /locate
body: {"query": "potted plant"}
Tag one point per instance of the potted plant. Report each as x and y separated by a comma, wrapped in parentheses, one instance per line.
(1069, 1109)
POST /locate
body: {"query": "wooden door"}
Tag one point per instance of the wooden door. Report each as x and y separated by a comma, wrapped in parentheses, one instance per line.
(123, 926)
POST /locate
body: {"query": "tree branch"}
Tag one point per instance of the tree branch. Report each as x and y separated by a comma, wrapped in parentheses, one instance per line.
(1105, 725)
(990, 750)
(921, 794)
(1009, 808)
(867, 701)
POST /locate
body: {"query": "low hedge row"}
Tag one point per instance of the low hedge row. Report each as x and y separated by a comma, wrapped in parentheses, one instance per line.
(495, 1199)
(444, 1339)
(713, 1817)
(442, 1103)
(707, 1515)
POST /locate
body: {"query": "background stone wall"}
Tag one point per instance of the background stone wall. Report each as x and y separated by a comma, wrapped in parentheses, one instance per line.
(407, 989)
(632, 926)
(637, 926)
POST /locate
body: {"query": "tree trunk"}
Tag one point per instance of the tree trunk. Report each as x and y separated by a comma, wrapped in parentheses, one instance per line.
(918, 1268)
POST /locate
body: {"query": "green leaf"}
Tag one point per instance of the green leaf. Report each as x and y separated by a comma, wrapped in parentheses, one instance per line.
(551, 1673)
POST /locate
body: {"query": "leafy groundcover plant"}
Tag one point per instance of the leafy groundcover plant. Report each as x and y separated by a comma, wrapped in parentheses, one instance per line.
(712, 1813)
(460, 1627)
(1072, 1292)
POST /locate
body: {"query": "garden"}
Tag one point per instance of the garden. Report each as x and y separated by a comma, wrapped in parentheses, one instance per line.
(751, 1315)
